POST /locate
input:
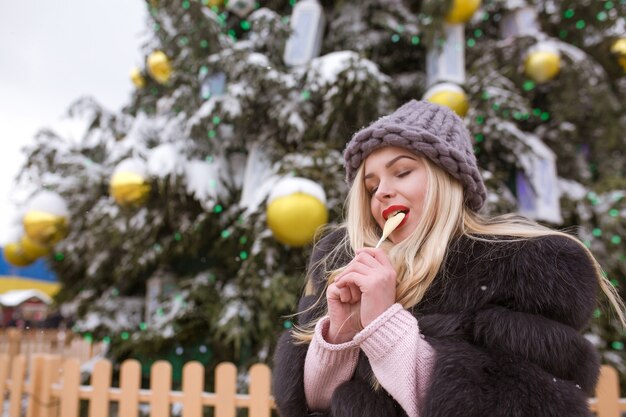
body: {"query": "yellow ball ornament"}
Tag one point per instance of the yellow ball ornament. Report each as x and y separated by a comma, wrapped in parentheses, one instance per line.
(215, 3)
(449, 95)
(619, 49)
(14, 254)
(462, 11)
(46, 219)
(295, 210)
(542, 65)
(159, 67)
(137, 78)
(32, 249)
(45, 228)
(129, 186)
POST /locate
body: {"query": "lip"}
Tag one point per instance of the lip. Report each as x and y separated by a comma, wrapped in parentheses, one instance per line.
(391, 209)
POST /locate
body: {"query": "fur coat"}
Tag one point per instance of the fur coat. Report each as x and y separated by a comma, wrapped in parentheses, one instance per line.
(504, 319)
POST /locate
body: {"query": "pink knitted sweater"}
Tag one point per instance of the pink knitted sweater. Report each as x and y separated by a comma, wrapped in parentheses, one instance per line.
(401, 359)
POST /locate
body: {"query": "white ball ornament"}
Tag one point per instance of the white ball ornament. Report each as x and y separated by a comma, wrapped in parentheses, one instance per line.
(296, 208)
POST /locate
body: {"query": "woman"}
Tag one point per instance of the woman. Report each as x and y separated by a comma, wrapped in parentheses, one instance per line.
(454, 315)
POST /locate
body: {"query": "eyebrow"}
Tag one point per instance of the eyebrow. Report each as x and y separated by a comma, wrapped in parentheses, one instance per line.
(390, 163)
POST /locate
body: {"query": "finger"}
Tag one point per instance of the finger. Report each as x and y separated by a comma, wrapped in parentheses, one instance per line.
(332, 292)
(346, 295)
(360, 281)
(357, 268)
(356, 293)
(378, 254)
(366, 258)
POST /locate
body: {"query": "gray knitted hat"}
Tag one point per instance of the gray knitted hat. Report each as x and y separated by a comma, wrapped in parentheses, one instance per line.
(428, 130)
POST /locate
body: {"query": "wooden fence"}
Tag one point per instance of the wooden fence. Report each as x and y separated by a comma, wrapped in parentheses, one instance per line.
(64, 343)
(52, 388)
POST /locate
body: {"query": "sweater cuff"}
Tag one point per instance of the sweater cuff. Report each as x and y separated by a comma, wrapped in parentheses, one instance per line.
(382, 335)
(331, 353)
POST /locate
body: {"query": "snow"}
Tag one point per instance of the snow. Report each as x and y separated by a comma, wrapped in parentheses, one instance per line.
(292, 185)
(572, 189)
(202, 181)
(134, 165)
(165, 160)
(49, 202)
(329, 66)
(256, 58)
(14, 298)
(258, 180)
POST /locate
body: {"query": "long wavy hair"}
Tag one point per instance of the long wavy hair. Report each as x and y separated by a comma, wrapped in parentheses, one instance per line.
(418, 258)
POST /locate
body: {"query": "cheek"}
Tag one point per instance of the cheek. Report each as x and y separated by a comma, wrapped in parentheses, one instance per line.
(375, 210)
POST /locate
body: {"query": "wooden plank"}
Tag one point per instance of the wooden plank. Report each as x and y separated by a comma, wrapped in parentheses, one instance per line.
(36, 381)
(193, 384)
(4, 375)
(260, 388)
(48, 406)
(71, 386)
(101, 383)
(18, 374)
(160, 385)
(225, 389)
(130, 384)
(607, 393)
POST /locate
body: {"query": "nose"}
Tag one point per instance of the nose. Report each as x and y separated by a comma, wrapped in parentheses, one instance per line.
(384, 192)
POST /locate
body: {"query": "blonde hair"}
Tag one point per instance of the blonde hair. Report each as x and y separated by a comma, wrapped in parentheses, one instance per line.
(418, 258)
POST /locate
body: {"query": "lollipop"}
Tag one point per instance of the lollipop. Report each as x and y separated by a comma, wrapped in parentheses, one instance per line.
(390, 225)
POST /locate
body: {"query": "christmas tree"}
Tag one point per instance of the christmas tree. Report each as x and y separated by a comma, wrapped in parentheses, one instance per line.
(177, 236)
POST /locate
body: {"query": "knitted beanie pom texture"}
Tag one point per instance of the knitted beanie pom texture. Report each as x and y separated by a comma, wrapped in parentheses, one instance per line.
(428, 130)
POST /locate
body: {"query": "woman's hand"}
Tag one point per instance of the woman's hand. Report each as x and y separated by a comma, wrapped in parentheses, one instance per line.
(369, 283)
(344, 311)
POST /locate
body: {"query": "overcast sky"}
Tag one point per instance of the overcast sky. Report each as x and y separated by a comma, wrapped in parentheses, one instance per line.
(53, 52)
